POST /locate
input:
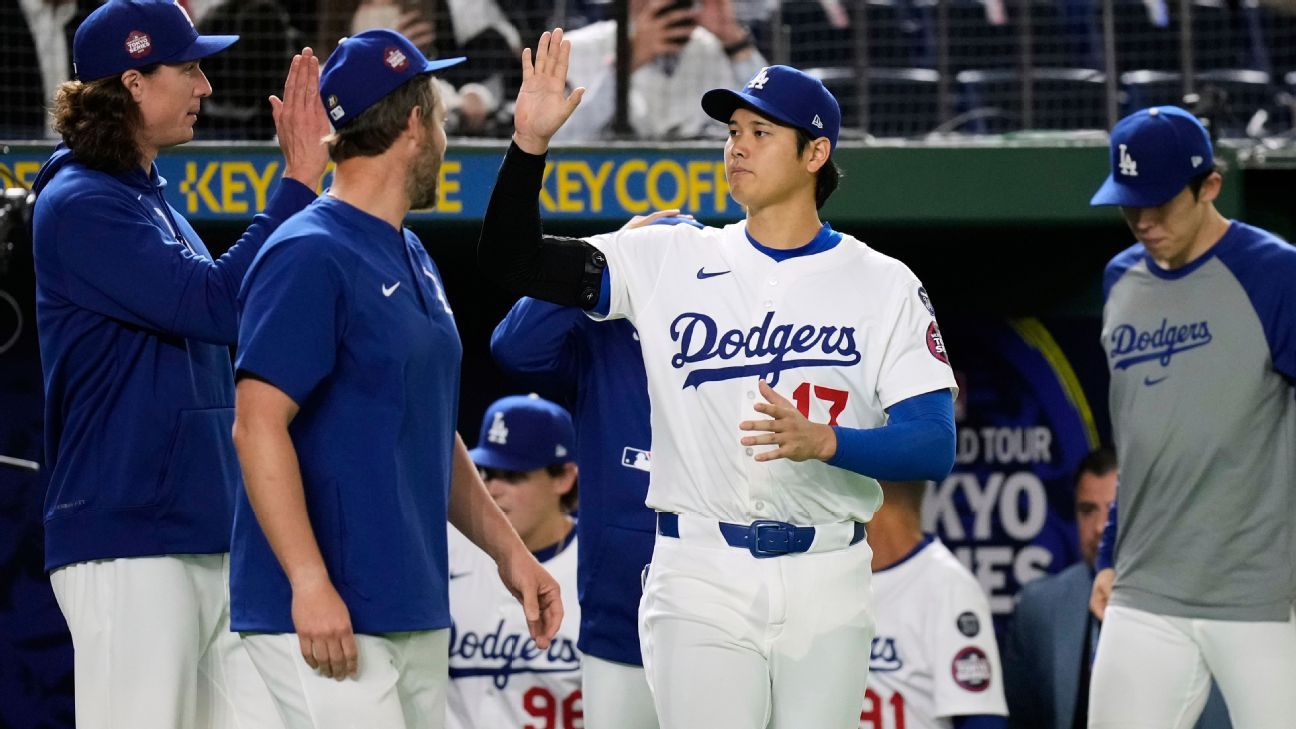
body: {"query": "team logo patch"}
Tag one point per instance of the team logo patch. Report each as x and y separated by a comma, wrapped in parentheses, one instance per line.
(395, 59)
(759, 80)
(138, 44)
(936, 343)
(971, 670)
(926, 301)
(968, 624)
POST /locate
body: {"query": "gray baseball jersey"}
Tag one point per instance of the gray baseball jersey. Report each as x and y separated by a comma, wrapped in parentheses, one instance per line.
(1202, 361)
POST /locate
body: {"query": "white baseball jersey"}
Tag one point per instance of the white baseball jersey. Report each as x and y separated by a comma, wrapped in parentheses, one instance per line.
(934, 656)
(844, 333)
(499, 679)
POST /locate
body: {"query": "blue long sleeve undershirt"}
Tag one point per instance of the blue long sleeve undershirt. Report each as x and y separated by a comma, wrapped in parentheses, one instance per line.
(916, 445)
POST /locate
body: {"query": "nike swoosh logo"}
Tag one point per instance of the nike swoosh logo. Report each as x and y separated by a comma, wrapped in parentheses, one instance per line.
(1150, 382)
(704, 274)
(389, 290)
(457, 575)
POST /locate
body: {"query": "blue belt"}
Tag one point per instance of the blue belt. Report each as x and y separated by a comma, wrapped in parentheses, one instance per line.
(763, 538)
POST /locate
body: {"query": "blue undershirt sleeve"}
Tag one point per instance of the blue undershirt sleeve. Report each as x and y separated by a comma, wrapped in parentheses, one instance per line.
(1107, 545)
(604, 304)
(917, 444)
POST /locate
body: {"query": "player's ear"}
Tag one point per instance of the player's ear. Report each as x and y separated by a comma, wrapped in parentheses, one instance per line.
(818, 150)
(1211, 187)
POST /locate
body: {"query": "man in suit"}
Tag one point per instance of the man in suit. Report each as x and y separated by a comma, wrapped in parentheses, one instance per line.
(1050, 644)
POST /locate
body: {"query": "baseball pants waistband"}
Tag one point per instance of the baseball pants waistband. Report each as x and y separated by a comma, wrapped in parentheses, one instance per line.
(763, 538)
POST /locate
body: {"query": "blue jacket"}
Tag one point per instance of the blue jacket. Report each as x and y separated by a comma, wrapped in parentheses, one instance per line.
(135, 319)
(1043, 650)
(596, 369)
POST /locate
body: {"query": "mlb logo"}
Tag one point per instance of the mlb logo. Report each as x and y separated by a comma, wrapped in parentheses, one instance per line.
(637, 459)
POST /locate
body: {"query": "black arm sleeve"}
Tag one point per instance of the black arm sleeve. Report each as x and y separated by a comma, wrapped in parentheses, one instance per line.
(514, 252)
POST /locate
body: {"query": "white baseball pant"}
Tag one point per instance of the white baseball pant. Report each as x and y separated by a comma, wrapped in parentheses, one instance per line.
(153, 647)
(1153, 671)
(615, 695)
(402, 682)
(734, 642)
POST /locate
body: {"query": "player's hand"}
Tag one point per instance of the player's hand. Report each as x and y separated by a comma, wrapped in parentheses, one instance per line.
(1102, 589)
(300, 121)
(643, 221)
(538, 592)
(543, 103)
(323, 626)
(656, 33)
(718, 16)
(797, 438)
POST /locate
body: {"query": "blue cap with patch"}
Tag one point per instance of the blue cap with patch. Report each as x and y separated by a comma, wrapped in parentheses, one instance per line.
(785, 95)
(366, 67)
(1155, 153)
(124, 34)
(523, 433)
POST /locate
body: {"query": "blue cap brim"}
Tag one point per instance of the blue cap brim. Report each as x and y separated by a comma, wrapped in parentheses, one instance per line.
(720, 104)
(488, 458)
(441, 63)
(202, 47)
(1115, 192)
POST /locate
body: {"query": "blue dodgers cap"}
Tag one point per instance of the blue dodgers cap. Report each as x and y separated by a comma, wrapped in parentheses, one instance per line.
(124, 34)
(523, 433)
(784, 94)
(1155, 153)
(366, 67)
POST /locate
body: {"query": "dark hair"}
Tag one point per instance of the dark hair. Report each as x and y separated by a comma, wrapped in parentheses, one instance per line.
(828, 177)
(98, 121)
(569, 500)
(1099, 462)
(1195, 184)
(373, 131)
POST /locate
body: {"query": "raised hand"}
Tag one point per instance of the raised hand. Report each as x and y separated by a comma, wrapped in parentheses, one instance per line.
(797, 438)
(642, 221)
(543, 103)
(301, 122)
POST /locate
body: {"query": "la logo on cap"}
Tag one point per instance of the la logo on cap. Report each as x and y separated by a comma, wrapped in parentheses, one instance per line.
(1128, 166)
(395, 59)
(498, 432)
(759, 81)
(138, 44)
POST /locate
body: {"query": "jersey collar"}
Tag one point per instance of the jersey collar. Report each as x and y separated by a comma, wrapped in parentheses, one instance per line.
(826, 239)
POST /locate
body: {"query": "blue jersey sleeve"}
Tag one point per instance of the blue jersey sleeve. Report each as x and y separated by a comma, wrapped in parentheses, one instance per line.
(1107, 545)
(294, 312)
(917, 444)
(537, 342)
(1119, 265)
(1266, 267)
(119, 263)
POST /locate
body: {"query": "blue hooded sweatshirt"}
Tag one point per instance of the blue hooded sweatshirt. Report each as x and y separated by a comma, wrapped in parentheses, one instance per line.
(135, 319)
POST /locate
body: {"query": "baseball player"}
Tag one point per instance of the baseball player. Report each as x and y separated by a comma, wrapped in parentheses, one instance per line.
(498, 677)
(788, 366)
(1197, 330)
(560, 350)
(935, 661)
(348, 383)
(135, 317)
